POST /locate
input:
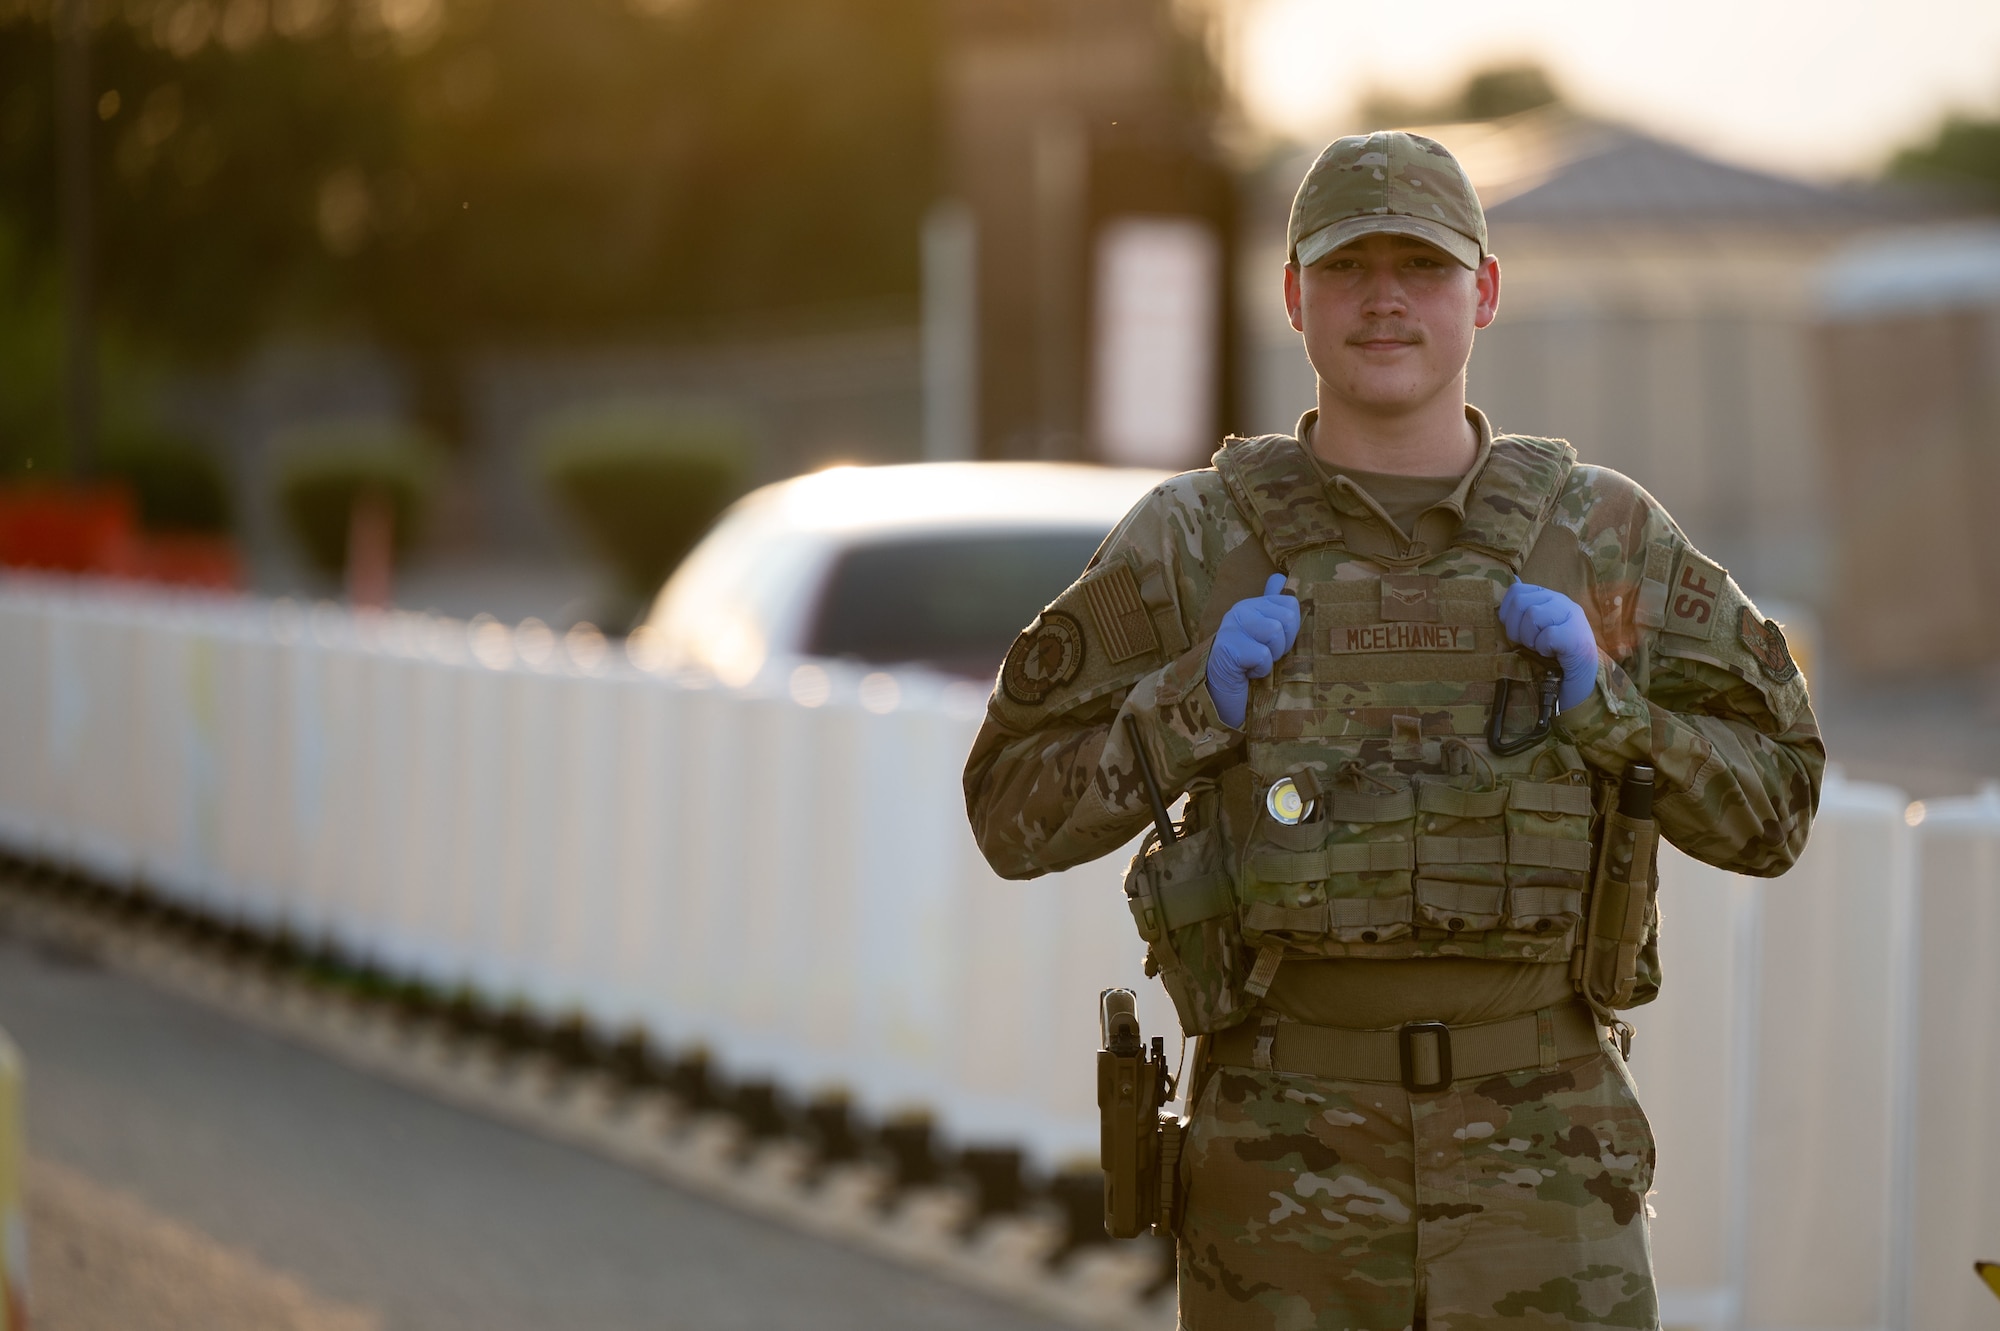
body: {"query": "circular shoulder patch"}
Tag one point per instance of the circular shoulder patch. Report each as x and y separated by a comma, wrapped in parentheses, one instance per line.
(1047, 656)
(1766, 641)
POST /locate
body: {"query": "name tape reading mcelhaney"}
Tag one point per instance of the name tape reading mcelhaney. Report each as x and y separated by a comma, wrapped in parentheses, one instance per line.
(1405, 637)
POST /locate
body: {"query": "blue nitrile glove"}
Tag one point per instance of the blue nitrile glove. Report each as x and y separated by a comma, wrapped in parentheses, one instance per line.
(1550, 623)
(1252, 636)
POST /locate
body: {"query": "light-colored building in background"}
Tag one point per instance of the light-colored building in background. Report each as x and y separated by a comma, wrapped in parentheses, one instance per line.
(1909, 356)
(1657, 310)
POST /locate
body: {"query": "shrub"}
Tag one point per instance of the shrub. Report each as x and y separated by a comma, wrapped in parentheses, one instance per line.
(176, 483)
(644, 481)
(326, 467)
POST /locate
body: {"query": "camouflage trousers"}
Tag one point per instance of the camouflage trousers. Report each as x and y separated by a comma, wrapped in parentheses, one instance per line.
(1516, 1200)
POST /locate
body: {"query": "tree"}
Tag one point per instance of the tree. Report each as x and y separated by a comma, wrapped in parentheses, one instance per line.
(440, 174)
(1962, 156)
(1486, 94)
(211, 144)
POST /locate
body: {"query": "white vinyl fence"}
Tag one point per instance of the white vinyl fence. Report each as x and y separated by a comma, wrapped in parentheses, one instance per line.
(785, 876)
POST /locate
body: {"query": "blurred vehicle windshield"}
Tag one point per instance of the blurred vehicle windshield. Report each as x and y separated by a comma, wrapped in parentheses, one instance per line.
(936, 564)
(954, 602)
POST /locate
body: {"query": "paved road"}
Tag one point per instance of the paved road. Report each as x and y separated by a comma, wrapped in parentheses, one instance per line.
(165, 1134)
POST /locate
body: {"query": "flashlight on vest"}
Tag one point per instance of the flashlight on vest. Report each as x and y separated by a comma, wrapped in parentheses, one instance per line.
(1635, 792)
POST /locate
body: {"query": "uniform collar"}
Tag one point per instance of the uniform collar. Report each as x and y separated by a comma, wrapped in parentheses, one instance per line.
(1352, 501)
(1455, 501)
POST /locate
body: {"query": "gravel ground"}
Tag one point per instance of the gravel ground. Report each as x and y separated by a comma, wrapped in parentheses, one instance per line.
(104, 1261)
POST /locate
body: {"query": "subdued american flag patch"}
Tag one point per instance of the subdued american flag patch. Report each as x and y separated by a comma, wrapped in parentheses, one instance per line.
(1123, 625)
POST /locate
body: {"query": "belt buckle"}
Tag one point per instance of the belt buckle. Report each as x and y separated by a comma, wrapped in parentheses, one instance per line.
(1405, 1042)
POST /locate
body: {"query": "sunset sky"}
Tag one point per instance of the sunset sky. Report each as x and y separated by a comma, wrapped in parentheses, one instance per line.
(1826, 88)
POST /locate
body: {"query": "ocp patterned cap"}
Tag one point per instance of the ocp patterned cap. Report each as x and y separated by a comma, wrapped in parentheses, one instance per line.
(1389, 182)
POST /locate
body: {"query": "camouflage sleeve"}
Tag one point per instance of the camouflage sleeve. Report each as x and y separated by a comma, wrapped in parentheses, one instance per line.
(1052, 780)
(1693, 680)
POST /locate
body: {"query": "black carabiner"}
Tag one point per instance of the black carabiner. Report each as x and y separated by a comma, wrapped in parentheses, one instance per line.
(1545, 716)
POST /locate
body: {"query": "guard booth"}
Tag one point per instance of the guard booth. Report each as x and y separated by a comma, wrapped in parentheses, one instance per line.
(1076, 277)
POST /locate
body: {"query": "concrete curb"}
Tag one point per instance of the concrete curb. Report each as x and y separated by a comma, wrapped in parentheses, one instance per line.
(1005, 1257)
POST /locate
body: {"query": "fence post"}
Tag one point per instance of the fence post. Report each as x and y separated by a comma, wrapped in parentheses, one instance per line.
(1952, 1202)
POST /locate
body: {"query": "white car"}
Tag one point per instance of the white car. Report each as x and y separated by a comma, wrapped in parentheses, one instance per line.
(939, 564)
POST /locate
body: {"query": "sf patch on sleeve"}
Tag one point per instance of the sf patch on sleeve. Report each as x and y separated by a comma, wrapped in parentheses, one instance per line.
(1044, 658)
(1710, 620)
(1694, 596)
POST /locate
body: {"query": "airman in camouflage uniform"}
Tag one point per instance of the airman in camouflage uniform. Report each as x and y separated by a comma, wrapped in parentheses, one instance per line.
(1339, 1172)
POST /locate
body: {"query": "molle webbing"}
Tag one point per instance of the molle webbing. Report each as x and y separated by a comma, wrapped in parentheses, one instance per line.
(1322, 916)
(1461, 850)
(1524, 848)
(1476, 899)
(1651, 610)
(1191, 901)
(1489, 659)
(1548, 901)
(1359, 600)
(1287, 723)
(1282, 496)
(1456, 803)
(1549, 797)
(1512, 498)
(1311, 866)
(1280, 492)
(1548, 852)
(1367, 806)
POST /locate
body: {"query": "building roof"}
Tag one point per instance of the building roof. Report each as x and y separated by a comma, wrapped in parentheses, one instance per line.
(1555, 167)
(1601, 173)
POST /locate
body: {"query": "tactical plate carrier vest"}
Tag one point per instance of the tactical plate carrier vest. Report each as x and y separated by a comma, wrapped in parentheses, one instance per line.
(1371, 817)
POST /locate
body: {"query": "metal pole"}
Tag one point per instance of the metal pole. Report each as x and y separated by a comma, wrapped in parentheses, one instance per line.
(75, 110)
(1061, 175)
(951, 333)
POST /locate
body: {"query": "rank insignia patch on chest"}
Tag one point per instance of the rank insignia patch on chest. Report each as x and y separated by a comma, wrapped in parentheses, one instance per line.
(1766, 641)
(1410, 598)
(1044, 658)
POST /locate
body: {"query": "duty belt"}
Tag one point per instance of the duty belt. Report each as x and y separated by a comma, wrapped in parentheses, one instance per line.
(1422, 1056)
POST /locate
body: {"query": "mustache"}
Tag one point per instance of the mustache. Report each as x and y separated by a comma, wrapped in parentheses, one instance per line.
(1385, 332)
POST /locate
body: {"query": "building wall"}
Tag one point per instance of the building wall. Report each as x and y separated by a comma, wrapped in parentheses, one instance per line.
(1914, 445)
(1711, 413)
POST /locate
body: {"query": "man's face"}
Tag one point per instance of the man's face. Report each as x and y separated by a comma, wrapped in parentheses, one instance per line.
(1388, 320)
